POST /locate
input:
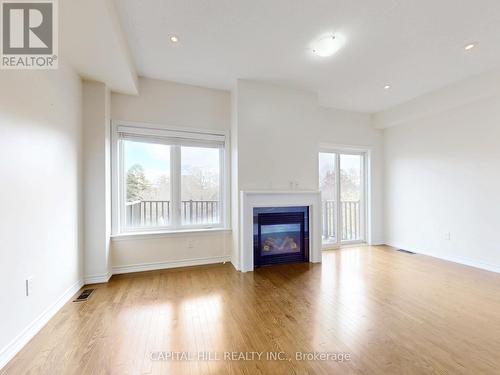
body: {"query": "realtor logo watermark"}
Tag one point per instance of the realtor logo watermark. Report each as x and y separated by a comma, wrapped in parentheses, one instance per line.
(29, 34)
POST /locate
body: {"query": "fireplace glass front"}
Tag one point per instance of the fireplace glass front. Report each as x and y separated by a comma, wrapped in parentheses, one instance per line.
(281, 235)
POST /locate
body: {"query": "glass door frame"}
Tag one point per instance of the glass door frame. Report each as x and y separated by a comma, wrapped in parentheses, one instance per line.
(362, 201)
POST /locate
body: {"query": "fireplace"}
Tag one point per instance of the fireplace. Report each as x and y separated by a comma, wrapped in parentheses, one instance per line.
(281, 235)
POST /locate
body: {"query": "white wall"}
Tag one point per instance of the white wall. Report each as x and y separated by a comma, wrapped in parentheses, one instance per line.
(170, 250)
(172, 104)
(97, 184)
(458, 94)
(40, 198)
(235, 196)
(279, 133)
(442, 177)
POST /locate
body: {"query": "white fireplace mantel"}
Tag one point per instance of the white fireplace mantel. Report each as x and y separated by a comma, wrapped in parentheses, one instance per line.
(273, 198)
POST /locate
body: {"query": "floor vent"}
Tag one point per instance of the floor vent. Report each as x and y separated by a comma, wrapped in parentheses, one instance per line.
(84, 296)
(406, 251)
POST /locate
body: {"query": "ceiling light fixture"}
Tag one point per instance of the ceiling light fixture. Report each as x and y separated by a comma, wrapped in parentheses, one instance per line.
(470, 46)
(387, 87)
(327, 45)
(174, 38)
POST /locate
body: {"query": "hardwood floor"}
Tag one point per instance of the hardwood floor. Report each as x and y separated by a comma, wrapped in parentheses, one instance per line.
(394, 313)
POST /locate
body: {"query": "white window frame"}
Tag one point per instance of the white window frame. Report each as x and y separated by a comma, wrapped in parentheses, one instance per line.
(160, 132)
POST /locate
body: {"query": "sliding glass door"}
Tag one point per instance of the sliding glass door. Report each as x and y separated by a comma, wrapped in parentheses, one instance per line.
(342, 185)
(351, 194)
(328, 177)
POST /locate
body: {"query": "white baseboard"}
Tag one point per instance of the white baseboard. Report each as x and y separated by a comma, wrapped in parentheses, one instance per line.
(235, 264)
(465, 261)
(455, 259)
(8, 352)
(171, 264)
(377, 243)
(97, 279)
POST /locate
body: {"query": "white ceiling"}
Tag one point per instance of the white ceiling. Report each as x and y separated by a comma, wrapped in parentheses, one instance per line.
(92, 41)
(415, 46)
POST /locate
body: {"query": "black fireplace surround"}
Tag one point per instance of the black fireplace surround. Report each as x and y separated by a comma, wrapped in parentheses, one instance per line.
(280, 235)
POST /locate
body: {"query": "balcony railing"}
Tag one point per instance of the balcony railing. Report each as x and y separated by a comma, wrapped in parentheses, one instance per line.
(200, 212)
(351, 220)
(157, 213)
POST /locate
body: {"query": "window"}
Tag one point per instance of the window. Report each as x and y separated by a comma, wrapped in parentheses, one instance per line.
(200, 185)
(147, 183)
(167, 179)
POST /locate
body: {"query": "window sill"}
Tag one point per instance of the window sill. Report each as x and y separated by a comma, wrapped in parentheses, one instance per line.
(167, 234)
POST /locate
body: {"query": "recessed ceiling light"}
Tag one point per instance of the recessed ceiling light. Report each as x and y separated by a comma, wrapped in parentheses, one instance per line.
(387, 87)
(174, 38)
(470, 46)
(327, 45)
